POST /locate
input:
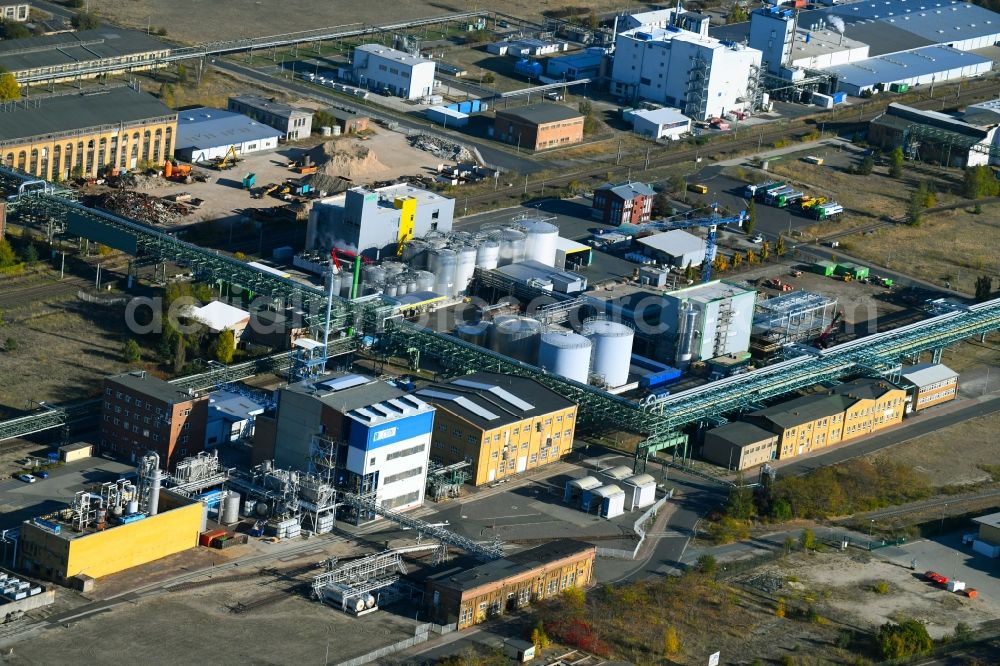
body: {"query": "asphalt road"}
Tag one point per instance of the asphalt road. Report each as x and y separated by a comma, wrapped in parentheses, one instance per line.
(490, 153)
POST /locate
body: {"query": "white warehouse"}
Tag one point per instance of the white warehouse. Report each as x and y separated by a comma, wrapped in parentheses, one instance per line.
(707, 321)
(702, 76)
(381, 68)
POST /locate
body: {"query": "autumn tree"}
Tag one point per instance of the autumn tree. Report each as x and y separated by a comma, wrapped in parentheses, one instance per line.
(131, 351)
(896, 163)
(224, 347)
(765, 251)
(779, 247)
(10, 89)
(671, 643)
(737, 260)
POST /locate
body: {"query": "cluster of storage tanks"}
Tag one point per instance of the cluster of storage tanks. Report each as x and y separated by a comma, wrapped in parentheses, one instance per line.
(445, 263)
(599, 353)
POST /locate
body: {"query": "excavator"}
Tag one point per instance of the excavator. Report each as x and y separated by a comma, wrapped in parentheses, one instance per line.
(227, 161)
(178, 172)
(823, 341)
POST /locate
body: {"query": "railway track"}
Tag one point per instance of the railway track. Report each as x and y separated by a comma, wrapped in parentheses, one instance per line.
(26, 295)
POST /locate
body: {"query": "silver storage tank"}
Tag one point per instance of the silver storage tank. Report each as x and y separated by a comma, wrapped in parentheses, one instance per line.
(334, 282)
(612, 350)
(372, 278)
(425, 281)
(689, 327)
(565, 353)
(391, 289)
(516, 337)
(415, 254)
(465, 269)
(511, 247)
(392, 268)
(443, 263)
(477, 333)
(230, 510)
(488, 254)
(540, 241)
(345, 283)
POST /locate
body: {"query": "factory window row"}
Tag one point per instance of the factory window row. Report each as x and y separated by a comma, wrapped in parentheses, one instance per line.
(935, 396)
(401, 476)
(403, 453)
(400, 500)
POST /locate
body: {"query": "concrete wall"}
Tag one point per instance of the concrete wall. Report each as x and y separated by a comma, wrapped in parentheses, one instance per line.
(298, 420)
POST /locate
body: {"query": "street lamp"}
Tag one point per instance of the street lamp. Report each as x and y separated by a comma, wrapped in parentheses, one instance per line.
(871, 529)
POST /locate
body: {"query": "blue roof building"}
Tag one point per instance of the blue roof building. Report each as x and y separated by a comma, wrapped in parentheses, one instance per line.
(204, 134)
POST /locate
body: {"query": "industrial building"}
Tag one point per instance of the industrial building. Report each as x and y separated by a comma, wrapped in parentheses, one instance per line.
(375, 222)
(706, 321)
(929, 384)
(543, 276)
(468, 596)
(587, 64)
(702, 76)
(502, 425)
(218, 317)
(987, 541)
(143, 413)
(78, 451)
(367, 436)
(378, 67)
(624, 203)
(15, 12)
(539, 126)
(656, 124)
(293, 122)
(789, 43)
(67, 51)
(84, 133)
(739, 445)
(798, 316)
(931, 64)
(204, 134)
(120, 526)
(230, 418)
(674, 248)
(931, 135)
(349, 121)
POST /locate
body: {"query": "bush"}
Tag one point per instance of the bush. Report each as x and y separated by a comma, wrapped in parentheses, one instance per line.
(10, 345)
(131, 351)
(86, 21)
(807, 539)
(728, 530)
(881, 587)
(906, 639)
(706, 564)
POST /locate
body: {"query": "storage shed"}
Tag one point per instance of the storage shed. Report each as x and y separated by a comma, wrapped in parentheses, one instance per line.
(676, 247)
(640, 491)
(614, 474)
(575, 488)
(854, 270)
(73, 452)
(608, 501)
(824, 267)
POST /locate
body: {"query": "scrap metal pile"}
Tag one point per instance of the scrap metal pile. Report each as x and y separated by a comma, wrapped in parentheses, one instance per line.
(447, 150)
(143, 207)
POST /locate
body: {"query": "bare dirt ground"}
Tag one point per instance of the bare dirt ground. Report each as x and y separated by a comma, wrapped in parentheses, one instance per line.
(233, 19)
(965, 446)
(843, 586)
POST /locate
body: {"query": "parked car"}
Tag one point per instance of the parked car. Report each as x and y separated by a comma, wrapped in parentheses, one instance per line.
(757, 238)
(27, 478)
(42, 474)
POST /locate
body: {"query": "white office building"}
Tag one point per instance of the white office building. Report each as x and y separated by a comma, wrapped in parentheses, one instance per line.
(702, 76)
(378, 67)
(658, 124)
(706, 321)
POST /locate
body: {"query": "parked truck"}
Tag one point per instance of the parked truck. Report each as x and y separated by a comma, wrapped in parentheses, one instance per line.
(753, 191)
(789, 198)
(762, 192)
(771, 196)
(827, 210)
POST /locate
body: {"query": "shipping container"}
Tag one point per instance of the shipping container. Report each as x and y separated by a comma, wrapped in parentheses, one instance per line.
(839, 97)
(822, 101)
(899, 87)
(206, 537)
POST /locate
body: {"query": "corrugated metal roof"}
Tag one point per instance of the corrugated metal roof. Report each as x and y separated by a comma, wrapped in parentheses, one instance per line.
(219, 316)
(927, 373)
(71, 48)
(940, 22)
(210, 128)
(904, 65)
(676, 242)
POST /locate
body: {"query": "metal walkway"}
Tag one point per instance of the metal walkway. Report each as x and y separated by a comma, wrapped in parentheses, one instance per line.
(94, 68)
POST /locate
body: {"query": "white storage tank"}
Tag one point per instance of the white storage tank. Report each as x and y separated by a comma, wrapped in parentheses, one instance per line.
(425, 281)
(516, 337)
(488, 254)
(566, 354)
(477, 334)
(511, 247)
(540, 241)
(391, 289)
(612, 350)
(372, 278)
(231, 509)
(415, 254)
(443, 263)
(334, 282)
(392, 268)
(465, 269)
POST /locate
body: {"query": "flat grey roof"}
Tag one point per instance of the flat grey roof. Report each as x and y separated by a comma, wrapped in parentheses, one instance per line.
(540, 114)
(675, 242)
(67, 48)
(489, 400)
(866, 388)
(392, 54)
(39, 116)
(360, 391)
(208, 128)
(904, 65)
(148, 385)
(741, 433)
(990, 519)
(941, 21)
(927, 373)
(274, 106)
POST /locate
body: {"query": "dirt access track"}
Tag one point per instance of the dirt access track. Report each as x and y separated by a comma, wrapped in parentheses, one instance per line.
(196, 22)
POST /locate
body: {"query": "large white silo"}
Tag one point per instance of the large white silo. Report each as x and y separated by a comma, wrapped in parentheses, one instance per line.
(512, 244)
(516, 337)
(488, 254)
(466, 268)
(443, 263)
(541, 240)
(566, 354)
(612, 350)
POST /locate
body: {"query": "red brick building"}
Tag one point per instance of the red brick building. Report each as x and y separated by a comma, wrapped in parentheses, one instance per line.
(539, 126)
(143, 413)
(625, 203)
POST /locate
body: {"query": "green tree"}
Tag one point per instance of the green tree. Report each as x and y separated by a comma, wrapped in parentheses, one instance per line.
(979, 181)
(706, 564)
(671, 643)
(224, 347)
(740, 502)
(166, 95)
(914, 209)
(689, 271)
(13, 30)
(182, 73)
(131, 351)
(781, 511)
(30, 253)
(10, 89)
(203, 292)
(906, 639)
(984, 288)
(751, 222)
(738, 14)
(661, 205)
(10, 345)
(589, 119)
(676, 183)
(866, 166)
(896, 163)
(779, 248)
(7, 256)
(807, 539)
(86, 21)
(489, 77)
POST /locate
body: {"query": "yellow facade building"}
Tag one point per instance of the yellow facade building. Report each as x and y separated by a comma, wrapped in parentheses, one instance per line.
(82, 134)
(502, 425)
(875, 404)
(50, 548)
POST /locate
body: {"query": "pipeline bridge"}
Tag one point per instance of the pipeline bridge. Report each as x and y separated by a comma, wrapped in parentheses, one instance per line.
(221, 48)
(661, 422)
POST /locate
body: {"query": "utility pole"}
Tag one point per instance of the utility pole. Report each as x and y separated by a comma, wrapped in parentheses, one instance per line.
(619, 159)
(62, 273)
(525, 183)
(646, 165)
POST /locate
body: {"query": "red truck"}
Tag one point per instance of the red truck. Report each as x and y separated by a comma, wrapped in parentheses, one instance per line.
(935, 577)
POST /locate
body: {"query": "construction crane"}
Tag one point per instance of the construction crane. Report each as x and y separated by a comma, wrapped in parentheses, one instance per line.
(711, 223)
(824, 337)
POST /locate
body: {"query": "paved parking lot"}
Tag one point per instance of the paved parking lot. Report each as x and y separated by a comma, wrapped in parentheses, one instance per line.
(947, 556)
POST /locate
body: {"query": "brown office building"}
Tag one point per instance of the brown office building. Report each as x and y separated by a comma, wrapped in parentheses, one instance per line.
(740, 445)
(143, 413)
(930, 384)
(503, 425)
(350, 121)
(470, 596)
(539, 126)
(625, 203)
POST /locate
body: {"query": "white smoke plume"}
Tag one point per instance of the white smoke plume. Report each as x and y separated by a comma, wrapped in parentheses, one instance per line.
(836, 22)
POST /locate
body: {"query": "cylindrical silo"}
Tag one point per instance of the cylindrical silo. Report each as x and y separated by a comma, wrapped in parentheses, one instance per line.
(540, 241)
(372, 277)
(391, 289)
(689, 326)
(425, 281)
(230, 510)
(612, 350)
(488, 254)
(410, 277)
(516, 337)
(476, 333)
(465, 268)
(511, 246)
(566, 354)
(392, 268)
(443, 263)
(415, 254)
(346, 282)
